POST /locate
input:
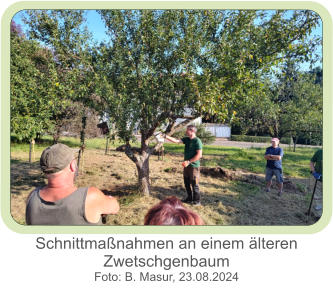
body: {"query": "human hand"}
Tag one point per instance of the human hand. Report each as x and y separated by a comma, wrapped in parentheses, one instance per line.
(316, 175)
(185, 163)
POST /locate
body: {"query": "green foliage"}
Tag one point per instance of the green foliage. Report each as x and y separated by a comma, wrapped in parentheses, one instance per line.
(148, 80)
(33, 86)
(257, 139)
(69, 40)
(242, 47)
(205, 136)
(255, 111)
(292, 106)
(299, 99)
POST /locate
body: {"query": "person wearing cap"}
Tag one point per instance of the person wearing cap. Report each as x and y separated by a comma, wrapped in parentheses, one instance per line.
(60, 202)
(274, 156)
(191, 164)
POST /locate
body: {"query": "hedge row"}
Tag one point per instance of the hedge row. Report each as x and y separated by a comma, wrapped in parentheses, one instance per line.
(257, 139)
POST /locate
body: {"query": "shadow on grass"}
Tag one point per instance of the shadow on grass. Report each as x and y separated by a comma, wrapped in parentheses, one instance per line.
(24, 175)
(165, 192)
(126, 194)
(121, 191)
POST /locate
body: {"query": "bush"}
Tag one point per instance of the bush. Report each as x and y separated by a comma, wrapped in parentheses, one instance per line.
(205, 136)
(257, 139)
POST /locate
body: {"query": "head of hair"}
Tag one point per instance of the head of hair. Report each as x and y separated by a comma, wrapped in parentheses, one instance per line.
(192, 127)
(171, 211)
(276, 140)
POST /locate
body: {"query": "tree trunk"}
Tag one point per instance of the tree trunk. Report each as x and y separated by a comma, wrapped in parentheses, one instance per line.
(295, 141)
(38, 138)
(56, 137)
(141, 160)
(141, 156)
(143, 174)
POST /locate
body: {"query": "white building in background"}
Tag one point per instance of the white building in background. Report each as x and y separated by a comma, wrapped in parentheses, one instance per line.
(218, 130)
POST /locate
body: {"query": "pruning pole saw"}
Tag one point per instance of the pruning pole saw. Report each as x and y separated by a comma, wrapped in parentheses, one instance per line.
(317, 176)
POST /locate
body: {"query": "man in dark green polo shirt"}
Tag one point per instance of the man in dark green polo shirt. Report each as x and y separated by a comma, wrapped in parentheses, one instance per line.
(191, 164)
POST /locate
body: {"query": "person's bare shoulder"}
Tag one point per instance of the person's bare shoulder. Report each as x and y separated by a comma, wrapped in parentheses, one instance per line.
(94, 193)
(106, 204)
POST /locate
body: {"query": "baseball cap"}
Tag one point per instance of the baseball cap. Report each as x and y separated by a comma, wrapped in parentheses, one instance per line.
(55, 158)
(275, 139)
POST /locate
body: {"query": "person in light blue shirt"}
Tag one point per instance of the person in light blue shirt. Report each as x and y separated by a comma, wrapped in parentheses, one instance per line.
(274, 156)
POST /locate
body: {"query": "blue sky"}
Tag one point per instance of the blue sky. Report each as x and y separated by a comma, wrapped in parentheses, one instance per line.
(96, 26)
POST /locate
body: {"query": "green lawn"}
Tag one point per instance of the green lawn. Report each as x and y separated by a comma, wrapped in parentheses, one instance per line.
(93, 143)
(295, 164)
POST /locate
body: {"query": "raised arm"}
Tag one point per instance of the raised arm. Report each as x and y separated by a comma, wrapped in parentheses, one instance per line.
(173, 140)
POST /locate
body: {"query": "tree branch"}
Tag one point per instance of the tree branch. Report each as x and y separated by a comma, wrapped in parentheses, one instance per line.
(171, 129)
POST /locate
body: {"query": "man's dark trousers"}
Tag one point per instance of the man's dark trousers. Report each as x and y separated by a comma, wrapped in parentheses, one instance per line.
(191, 181)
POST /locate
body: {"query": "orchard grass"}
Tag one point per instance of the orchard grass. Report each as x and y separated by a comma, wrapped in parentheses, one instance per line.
(73, 142)
(295, 164)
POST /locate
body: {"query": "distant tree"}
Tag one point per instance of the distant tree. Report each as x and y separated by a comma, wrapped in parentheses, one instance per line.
(242, 48)
(33, 83)
(290, 106)
(300, 101)
(64, 33)
(256, 113)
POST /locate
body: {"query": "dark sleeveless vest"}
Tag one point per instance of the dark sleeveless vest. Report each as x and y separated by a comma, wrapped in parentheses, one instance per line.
(67, 211)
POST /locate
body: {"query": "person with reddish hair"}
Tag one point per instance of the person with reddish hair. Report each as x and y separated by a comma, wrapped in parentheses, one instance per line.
(171, 211)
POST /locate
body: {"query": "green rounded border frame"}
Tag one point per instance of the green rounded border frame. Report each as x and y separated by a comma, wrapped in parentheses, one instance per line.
(5, 120)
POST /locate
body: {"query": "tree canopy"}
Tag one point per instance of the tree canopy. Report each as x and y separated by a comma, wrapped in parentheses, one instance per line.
(34, 83)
